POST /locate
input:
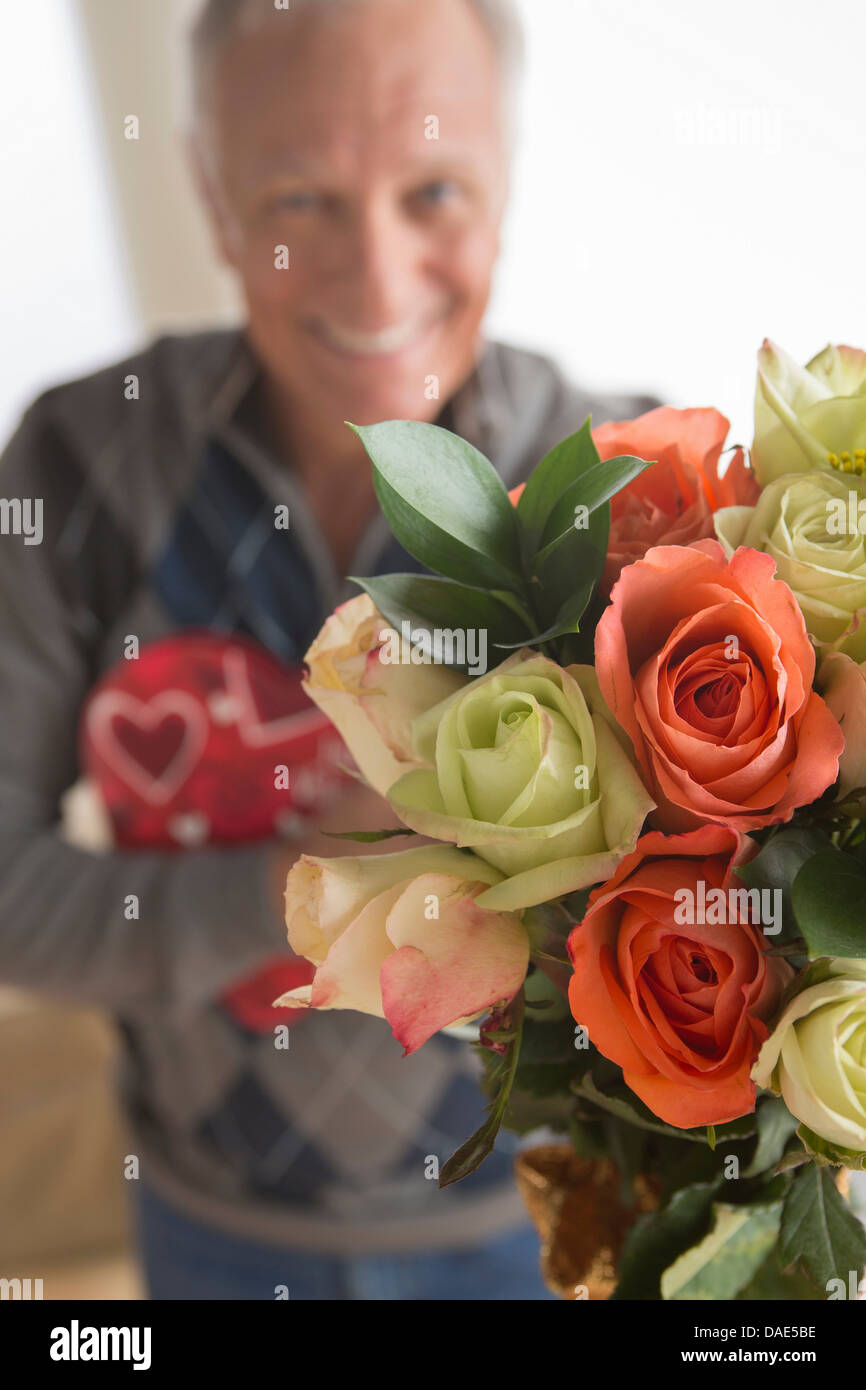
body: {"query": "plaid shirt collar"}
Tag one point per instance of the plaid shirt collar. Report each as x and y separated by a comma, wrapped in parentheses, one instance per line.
(222, 401)
(220, 390)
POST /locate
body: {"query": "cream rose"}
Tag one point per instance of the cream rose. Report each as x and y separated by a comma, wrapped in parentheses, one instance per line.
(526, 766)
(808, 522)
(371, 701)
(402, 936)
(807, 417)
(815, 1058)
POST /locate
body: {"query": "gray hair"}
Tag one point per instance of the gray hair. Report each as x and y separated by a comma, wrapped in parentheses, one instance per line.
(219, 21)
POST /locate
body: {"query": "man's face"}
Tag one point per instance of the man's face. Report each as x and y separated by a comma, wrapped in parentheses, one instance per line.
(320, 137)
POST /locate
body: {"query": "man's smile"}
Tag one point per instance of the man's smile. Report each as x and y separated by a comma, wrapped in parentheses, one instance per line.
(384, 342)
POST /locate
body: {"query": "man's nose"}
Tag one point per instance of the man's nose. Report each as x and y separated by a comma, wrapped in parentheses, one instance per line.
(379, 258)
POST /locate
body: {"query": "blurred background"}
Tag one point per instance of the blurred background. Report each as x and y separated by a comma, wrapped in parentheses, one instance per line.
(688, 180)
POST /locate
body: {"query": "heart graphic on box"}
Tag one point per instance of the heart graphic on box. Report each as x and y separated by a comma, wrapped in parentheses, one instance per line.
(152, 744)
(205, 739)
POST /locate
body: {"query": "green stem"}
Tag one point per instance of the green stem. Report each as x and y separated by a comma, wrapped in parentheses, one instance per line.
(473, 1153)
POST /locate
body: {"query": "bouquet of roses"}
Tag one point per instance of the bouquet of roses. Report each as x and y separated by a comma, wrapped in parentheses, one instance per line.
(627, 706)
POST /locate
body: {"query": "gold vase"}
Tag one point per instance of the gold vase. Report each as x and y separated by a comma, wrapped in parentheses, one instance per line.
(576, 1206)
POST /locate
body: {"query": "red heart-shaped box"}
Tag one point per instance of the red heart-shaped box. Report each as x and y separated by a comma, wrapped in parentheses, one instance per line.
(203, 739)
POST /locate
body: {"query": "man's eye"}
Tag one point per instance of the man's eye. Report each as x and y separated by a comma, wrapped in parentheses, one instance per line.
(440, 191)
(301, 201)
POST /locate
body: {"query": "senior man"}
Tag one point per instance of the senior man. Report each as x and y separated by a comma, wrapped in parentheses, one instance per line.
(354, 157)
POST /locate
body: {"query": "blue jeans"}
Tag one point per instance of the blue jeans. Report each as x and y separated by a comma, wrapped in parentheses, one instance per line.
(184, 1259)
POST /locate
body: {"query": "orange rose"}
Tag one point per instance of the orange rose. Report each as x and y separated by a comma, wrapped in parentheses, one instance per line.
(680, 1006)
(707, 666)
(673, 502)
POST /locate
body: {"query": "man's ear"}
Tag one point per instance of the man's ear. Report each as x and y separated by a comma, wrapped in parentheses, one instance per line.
(222, 223)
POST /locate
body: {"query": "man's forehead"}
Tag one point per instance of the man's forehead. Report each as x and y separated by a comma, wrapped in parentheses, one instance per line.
(338, 142)
(322, 84)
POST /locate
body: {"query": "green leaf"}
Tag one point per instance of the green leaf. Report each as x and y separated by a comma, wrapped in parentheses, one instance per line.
(572, 570)
(538, 1110)
(592, 490)
(625, 1106)
(656, 1239)
(550, 479)
(567, 619)
(820, 1230)
(541, 1093)
(776, 1124)
(726, 1259)
(473, 1152)
(628, 1147)
(685, 1165)
(597, 482)
(544, 1080)
(771, 1283)
(632, 1111)
(771, 1187)
(587, 1139)
(568, 566)
(445, 502)
(366, 837)
(428, 602)
(777, 865)
(828, 896)
(792, 1158)
(548, 1056)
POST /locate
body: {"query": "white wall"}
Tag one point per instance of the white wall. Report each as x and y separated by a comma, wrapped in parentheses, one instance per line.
(136, 49)
(65, 306)
(692, 178)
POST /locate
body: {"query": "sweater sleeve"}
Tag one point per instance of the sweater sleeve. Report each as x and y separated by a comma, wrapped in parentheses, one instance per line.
(205, 917)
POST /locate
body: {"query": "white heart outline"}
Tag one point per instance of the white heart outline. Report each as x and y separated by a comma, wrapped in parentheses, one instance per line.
(110, 704)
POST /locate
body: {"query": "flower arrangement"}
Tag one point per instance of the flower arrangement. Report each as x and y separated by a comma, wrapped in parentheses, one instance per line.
(626, 708)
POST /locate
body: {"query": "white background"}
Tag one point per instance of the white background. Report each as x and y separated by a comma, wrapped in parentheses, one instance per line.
(690, 178)
(65, 303)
